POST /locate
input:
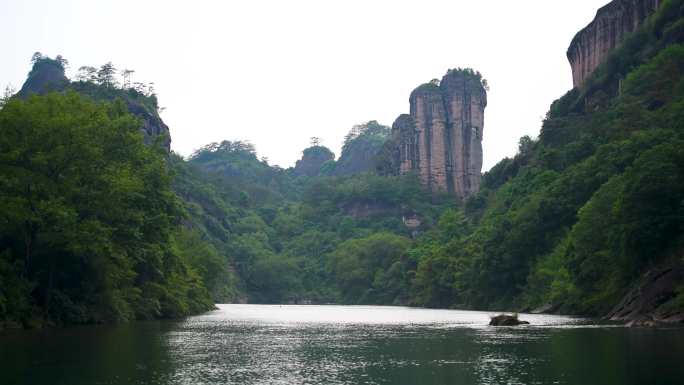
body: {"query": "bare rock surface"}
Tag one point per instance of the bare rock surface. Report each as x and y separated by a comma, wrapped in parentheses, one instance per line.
(613, 22)
(441, 138)
(653, 300)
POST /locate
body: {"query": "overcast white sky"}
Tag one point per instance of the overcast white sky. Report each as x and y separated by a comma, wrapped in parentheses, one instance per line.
(276, 73)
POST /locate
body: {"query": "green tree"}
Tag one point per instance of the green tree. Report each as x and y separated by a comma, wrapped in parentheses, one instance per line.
(87, 214)
(371, 269)
(106, 75)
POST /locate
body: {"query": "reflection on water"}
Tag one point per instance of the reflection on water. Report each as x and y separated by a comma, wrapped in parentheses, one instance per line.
(250, 344)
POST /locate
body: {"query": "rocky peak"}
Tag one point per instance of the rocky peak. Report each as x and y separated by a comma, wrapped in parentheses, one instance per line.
(47, 75)
(312, 160)
(361, 148)
(441, 138)
(613, 22)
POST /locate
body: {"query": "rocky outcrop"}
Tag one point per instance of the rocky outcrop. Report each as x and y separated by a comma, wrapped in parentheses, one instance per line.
(658, 298)
(441, 138)
(47, 75)
(361, 148)
(592, 45)
(153, 126)
(369, 209)
(313, 158)
(357, 159)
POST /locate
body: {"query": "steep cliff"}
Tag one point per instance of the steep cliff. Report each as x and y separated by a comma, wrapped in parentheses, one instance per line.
(441, 138)
(47, 75)
(592, 45)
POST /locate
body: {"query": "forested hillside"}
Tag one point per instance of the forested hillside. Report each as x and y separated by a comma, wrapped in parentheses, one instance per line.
(576, 218)
(90, 228)
(99, 222)
(569, 224)
(286, 233)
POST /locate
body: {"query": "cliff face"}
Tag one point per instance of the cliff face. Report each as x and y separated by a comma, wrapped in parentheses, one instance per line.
(441, 139)
(592, 45)
(47, 75)
(153, 126)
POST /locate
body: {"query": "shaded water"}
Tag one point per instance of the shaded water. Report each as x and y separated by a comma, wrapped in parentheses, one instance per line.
(253, 344)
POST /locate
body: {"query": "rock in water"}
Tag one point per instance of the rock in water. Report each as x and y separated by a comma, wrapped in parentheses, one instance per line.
(506, 320)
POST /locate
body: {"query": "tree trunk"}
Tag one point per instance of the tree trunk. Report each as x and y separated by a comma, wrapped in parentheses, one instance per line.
(48, 292)
(29, 237)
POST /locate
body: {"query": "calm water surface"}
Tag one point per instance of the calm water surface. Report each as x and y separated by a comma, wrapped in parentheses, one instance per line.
(253, 344)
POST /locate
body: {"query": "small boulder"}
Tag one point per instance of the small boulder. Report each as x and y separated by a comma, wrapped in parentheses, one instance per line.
(641, 322)
(506, 320)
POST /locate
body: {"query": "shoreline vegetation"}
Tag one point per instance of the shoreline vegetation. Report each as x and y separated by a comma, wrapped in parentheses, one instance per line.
(101, 223)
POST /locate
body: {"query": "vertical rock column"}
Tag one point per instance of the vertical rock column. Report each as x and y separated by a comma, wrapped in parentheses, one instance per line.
(441, 140)
(438, 144)
(405, 136)
(427, 110)
(465, 100)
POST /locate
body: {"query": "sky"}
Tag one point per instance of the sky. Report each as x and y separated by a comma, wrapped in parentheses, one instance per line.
(276, 73)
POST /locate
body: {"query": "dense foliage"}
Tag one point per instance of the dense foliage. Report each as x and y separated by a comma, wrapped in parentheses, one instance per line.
(360, 150)
(89, 225)
(579, 214)
(315, 161)
(279, 231)
(96, 226)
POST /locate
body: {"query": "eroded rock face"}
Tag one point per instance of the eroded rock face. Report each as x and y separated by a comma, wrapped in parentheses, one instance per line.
(653, 300)
(441, 139)
(592, 45)
(368, 209)
(153, 126)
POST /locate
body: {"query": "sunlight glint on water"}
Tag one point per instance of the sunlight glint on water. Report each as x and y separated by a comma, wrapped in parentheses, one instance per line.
(257, 344)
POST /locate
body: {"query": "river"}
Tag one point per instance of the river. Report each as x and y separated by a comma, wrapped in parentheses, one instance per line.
(262, 344)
